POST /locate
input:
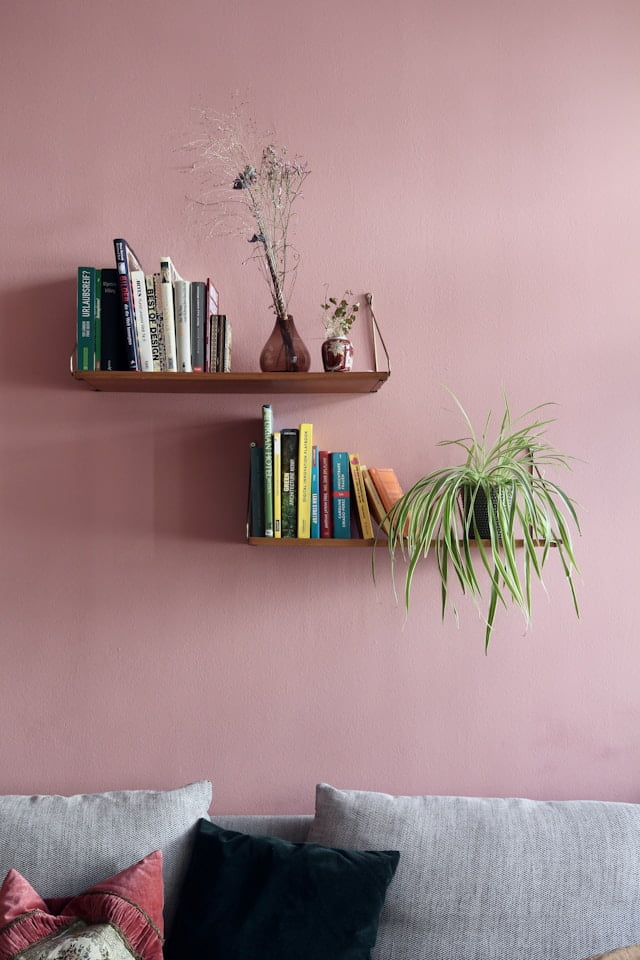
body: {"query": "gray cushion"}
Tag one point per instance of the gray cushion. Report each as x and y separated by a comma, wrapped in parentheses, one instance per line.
(494, 879)
(64, 845)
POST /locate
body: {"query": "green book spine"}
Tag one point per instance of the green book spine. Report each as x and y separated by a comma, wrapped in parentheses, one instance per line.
(267, 430)
(256, 492)
(86, 319)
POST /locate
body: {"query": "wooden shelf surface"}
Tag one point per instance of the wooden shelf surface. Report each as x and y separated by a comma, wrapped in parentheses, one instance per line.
(360, 381)
(337, 542)
(307, 542)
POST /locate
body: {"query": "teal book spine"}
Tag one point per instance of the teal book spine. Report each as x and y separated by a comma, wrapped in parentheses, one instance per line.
(315, 495)
(340, 495)
(267, 433)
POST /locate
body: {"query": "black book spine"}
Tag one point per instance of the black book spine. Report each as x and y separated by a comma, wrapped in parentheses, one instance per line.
(113, 356)
(126, 300)
(289, 482)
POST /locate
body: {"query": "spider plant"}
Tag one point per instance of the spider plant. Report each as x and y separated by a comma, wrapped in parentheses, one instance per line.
(528, 514)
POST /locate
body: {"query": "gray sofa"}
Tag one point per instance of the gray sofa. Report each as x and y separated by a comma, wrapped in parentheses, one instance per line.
(478, 879)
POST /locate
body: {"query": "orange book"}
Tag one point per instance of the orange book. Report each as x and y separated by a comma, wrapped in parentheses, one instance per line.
(375, 503)
(387, 485)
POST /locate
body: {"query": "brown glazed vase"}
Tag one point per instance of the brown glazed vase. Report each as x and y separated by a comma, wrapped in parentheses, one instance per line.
(284, 351)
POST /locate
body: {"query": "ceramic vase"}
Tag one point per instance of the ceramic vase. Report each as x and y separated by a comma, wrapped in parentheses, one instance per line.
(337, 355)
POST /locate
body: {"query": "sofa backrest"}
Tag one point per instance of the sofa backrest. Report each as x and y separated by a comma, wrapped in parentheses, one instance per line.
(64, 845)
(495, 879)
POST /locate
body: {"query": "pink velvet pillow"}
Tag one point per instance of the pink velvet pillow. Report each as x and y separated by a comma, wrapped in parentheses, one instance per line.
(118, 918)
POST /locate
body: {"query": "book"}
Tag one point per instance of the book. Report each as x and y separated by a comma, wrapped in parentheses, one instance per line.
(198, 308)
(86, 306)
(277, 485)
(315, 494)
(255, 525)
(212, 351)
(211, 324)
(141, 319)
(123, 254)
(363, 515)
(112, 345)
(387, 485)
(182, 295)
(228, 336)
(167, 273)
(375, 503)
(152, 283)
(289, 488)
(305, 442)
(98, 321)
(223, 362)
(340, 495)
(324, 482)
(267, 432)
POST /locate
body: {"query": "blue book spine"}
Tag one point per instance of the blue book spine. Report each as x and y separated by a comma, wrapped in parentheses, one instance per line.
(315, 495)
(340, 495)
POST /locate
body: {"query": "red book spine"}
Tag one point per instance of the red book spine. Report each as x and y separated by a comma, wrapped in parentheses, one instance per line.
(324, 474)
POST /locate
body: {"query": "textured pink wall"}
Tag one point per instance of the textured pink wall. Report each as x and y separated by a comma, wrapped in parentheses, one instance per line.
(476, 166)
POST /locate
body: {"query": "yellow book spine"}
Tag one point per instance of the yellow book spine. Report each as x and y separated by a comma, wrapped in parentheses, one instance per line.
(360, 492)
(304, 479)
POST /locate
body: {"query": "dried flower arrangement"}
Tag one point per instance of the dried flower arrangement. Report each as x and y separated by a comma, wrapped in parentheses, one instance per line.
(253, 190)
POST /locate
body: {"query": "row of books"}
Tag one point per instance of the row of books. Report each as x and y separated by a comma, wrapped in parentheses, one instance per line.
(297, 489)
(128, 319)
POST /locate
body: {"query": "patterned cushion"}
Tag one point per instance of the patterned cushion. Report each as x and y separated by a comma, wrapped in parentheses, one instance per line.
(80, 942)
(66, 844)
(118, 919)
(494, 879)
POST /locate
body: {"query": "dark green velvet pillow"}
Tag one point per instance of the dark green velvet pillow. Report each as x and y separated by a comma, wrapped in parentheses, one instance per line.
(250, 897)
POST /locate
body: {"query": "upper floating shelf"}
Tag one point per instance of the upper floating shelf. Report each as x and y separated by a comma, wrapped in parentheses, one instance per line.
(124, 381)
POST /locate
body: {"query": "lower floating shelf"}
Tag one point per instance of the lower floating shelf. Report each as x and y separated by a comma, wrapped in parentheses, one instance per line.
(337, 542)
(307, 542)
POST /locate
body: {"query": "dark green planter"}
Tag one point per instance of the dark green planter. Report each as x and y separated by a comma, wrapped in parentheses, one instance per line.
(480, 520)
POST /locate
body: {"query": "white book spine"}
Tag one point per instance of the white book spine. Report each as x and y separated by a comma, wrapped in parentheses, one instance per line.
(157, 295)
(168, 319)
(183, 325)
(143, 332)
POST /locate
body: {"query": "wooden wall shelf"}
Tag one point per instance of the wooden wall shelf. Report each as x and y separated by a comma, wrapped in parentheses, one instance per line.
(308, 542)
(124, 381)
(337, 542)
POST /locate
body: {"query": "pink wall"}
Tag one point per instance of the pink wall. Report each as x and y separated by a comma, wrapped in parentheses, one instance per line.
(475, 165)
